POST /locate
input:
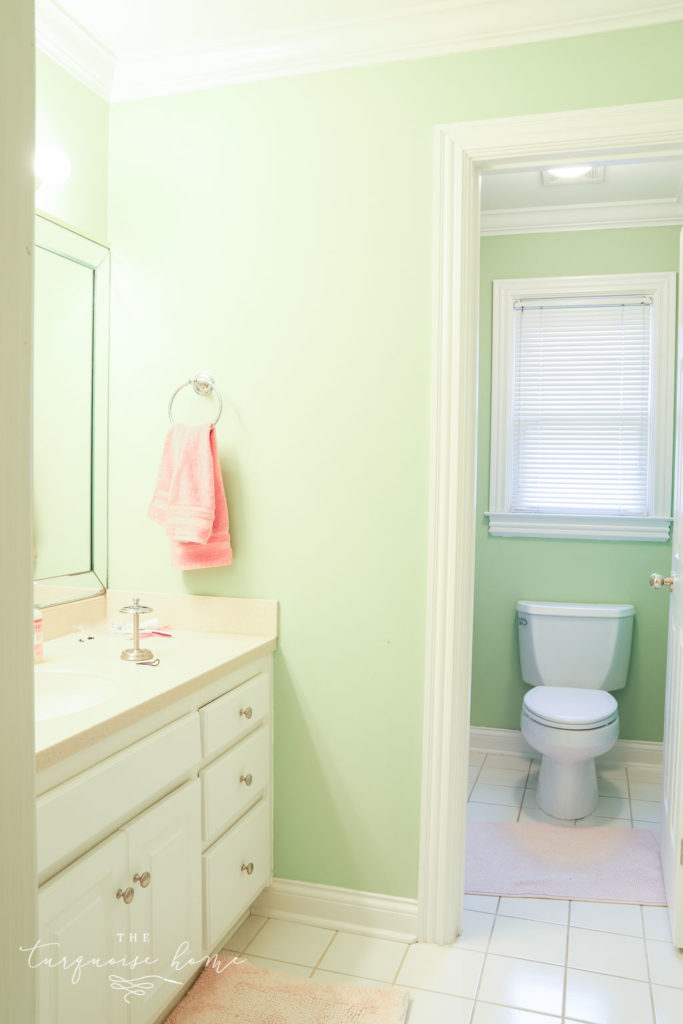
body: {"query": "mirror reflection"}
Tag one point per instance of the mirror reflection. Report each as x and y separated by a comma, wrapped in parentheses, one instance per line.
(70, 397)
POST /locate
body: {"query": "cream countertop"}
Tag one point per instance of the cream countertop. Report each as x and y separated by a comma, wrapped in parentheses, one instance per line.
(146, 698)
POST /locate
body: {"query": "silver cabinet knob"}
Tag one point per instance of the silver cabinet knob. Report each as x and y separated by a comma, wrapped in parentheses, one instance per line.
(249, 868)
(144, 879)
(127, 895)
(246, 779)
(246, 712)
(658, 581)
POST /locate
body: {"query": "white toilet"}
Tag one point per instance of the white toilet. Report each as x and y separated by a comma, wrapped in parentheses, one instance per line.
(572, 654)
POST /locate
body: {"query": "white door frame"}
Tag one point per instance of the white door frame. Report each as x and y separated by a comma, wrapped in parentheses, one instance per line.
(462, 151)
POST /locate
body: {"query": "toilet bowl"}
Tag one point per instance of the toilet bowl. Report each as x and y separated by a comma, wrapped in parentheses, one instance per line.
(571, 656)
(569, 728)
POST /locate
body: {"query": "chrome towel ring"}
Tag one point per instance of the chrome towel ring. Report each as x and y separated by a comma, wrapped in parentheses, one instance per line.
(203, 384)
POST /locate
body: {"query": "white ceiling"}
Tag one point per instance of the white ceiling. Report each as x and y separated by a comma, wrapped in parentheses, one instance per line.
(125, 49)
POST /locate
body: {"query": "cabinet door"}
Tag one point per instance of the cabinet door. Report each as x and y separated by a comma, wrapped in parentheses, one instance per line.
(80, 916)
(165, 916)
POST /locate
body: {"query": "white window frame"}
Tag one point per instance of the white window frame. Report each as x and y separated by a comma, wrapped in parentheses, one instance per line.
(661, 288)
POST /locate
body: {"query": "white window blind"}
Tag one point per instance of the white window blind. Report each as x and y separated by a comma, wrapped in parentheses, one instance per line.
(581, 406)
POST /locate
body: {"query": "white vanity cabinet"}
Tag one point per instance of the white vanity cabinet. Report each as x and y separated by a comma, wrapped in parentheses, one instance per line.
(154, 863)
(183, 823)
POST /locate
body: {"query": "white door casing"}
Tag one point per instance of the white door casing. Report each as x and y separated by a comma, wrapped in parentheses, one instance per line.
(672, 823)
(462, 152)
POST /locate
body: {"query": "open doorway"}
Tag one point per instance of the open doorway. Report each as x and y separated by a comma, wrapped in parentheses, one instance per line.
(463, 152)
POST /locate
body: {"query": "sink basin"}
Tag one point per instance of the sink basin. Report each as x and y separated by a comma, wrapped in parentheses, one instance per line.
(63, 691)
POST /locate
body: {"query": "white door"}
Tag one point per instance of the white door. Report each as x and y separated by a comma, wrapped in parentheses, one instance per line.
(672, 824)
(164, 857)
(80, 916)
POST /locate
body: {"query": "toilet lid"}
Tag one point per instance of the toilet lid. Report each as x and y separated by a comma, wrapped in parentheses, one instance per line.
(570, 707)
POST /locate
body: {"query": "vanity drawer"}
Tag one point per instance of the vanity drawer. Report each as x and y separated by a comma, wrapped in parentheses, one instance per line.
(79, 813)
(228, 888)
(233, 715)
(234, 782)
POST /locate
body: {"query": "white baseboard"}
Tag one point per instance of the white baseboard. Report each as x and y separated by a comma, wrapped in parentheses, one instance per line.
(511, 741)
(345, 910)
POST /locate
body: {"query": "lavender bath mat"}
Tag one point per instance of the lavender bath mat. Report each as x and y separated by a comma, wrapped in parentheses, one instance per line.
(607, 865)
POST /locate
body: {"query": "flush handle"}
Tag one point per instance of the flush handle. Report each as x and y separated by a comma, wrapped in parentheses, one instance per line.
(657, 581)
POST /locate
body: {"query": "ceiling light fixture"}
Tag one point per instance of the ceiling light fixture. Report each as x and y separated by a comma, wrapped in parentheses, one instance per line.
(573, 174)
(576, 171)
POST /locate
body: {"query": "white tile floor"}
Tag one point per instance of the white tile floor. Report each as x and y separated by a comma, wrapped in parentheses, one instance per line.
(518, 961)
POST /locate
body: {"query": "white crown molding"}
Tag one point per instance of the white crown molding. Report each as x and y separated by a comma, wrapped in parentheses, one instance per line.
(374, 914)
(69, 45)
(583, 217)
(405, 34)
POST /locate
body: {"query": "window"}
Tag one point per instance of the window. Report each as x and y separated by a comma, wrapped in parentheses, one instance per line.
(582, 407)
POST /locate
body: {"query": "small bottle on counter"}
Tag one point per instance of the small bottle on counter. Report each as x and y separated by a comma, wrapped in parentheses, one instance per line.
(37, 634)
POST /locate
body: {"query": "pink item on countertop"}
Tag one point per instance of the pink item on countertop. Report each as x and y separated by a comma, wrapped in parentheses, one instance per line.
(189, 499)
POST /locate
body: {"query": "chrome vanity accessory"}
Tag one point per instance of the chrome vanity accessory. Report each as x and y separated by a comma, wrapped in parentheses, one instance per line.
(136, 653)
(202, 384)
(151, 664)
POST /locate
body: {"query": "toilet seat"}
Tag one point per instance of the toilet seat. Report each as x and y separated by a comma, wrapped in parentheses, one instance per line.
(573, 708)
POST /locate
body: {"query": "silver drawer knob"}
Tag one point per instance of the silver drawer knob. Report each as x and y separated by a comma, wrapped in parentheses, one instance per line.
(126, 896)
(249, 868)
(247, 779)
(144, 879)
(246, 712)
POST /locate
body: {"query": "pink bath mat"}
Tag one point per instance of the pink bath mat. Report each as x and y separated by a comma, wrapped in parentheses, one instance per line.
(242, 994)
(602, 864)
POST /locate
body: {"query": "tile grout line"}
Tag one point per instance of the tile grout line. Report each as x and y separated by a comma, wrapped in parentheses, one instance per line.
(526, 787)
(483, 963)
(630, 808)
(257, 932)
(323, 955)
(401, 962)
(647, 963)
(565, 977)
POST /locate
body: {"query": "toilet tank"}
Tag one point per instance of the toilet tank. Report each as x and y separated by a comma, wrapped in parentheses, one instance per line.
(582, 645)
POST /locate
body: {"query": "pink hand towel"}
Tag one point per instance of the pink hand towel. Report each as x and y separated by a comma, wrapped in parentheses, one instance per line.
(189, 499)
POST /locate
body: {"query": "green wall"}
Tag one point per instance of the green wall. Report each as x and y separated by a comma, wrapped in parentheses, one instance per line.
(73, 118)
(510, 568)
(279, 235)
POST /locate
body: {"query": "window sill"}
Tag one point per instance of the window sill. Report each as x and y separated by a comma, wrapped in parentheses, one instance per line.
(537, 524)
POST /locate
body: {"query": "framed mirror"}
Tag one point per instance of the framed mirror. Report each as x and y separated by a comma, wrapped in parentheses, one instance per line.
(70, 399)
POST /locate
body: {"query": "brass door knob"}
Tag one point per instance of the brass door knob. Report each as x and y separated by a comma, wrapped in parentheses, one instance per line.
(144, 879)
(247, 779)
(247, 712)
(658, 582)
(249, 868)
(126, 895)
